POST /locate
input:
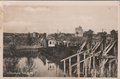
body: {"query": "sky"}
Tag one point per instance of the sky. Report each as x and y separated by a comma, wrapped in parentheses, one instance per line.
(52, 19)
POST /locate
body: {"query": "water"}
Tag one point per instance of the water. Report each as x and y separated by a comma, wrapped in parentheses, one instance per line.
(36, 67)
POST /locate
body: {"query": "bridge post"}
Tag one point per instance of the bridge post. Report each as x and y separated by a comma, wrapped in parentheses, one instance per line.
(89, 71)
(64, 68)
(94, 70)
(102, 68)
(116, 69)
(85, 65)
(78, 65)
(109, 69)
(70, 68)
(115, 50)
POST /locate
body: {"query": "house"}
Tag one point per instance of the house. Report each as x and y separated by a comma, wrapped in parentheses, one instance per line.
(51, 66)
(51, 43)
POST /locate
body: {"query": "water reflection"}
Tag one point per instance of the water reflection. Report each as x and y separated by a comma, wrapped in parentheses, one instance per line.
(38, 67)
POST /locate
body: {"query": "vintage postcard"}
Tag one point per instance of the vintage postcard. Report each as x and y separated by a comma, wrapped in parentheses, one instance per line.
(60, 39)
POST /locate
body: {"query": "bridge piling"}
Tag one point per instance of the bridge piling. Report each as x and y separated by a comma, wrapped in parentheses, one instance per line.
(78, 65)
(64, 68)
(70, 68)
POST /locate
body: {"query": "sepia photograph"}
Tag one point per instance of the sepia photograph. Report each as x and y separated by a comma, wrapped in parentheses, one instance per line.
(60, 41)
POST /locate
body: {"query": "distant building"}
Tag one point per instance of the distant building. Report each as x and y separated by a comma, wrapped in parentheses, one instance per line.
(51, 43)
(79, 32)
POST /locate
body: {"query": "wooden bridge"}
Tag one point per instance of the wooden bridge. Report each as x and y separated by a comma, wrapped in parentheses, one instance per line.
(99, 60)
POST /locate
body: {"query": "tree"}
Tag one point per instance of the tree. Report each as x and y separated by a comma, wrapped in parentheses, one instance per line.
(77, 34)
(89, 35)
(29, 39)
(114, 34)
(86, 33)
(44, 35)
(103, 36)
(56, 36)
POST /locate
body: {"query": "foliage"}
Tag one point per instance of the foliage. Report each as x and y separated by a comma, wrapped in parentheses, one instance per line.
(88, 34)
(114, 34)
(29, 39)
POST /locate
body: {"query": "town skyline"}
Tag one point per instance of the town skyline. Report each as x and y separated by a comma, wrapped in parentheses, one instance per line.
(58, 31)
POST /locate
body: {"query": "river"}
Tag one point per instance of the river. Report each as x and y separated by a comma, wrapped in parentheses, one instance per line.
(33, 67)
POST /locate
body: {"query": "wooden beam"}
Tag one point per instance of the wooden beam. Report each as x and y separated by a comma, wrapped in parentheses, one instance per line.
(85, 65)
(115, 50)
(109, 69)
(57, 70)
(102, 69)
(83, 45)
(95, 46)
(64, 68)
(105, 52)
(70, 68)
(85, 59)
(78, 65)
(107, 46)
(89, 65)
(94, 70)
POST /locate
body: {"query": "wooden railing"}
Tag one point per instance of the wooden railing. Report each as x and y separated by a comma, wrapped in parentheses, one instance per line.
(86, 61)
(79, 52)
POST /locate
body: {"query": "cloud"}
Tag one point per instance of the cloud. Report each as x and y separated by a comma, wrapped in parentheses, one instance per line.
(36, 9)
